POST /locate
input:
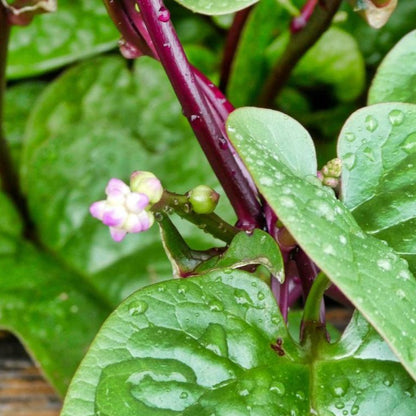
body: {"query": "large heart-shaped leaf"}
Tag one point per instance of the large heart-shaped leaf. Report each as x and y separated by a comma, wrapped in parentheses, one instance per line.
(77, 30)
(19, 101)
(96, 122)
(367, 271)
(44, 303)
(214, 7)
(378, 147)
(217, 344)
(395, 77)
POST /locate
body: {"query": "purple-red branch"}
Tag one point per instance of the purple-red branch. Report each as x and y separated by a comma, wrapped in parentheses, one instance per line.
(152, 32)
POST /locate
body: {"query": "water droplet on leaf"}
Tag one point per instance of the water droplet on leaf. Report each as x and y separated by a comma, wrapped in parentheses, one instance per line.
(396, 117)
(349, 160)
(350, 137)
(278, 387)
(409, 144)
(137, 307)
(371, 123)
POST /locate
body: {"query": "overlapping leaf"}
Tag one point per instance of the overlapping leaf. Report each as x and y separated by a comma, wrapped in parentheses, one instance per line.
(44, 303)
(214, 7)
(395, 77)
(97, 122)
(369, 272)
(217, 343)
(77, 30)
(378, 147)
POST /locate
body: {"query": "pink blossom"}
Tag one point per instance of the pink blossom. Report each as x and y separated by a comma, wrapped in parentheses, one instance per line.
(125, 211)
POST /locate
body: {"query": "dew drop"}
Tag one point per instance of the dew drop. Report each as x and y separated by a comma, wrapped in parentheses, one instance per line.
(340, 387)
(161, 288)
(222, 143)
(339, 405)
(369, 154)
(243, 393)
(278, 387)
(409, 144)
(137, 307)
(163, 15)
(329, 249)
(300, 395)
(384, 264)
(215, 306)
(350, 137)
(349, 160)
(184, 395)
(396, 117)
(260, 296)
(266, 181)
(182, 289)
(404, 274)
(354, 410)
(345, 412)
(343, 239)
(371, 123)
(158, 216)
(388, 380)
(287, 201)
(400, 294)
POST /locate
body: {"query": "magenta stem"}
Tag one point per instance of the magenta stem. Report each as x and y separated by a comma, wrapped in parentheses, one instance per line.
(196, 108)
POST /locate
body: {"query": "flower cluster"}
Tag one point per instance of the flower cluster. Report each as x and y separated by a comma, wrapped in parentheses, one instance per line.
(127, 209)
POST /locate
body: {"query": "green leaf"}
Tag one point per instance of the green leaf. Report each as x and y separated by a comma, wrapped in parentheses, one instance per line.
(256, 248)
(214, 7)
(95, 122)
(77, 30)
(289, 142)
(249, 68)
(366, 270)
(10, 225)
(19, 101)
(378, 147)
(209, 344)
(395, 77)
(334, 60)
(44, 303)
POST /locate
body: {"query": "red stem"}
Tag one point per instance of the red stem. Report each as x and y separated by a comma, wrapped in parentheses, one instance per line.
(196, 108)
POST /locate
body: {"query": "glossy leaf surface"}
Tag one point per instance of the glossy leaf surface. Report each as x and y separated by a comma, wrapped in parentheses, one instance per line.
(244, 250)
(214, 7)
(80, 28)
(204, 345)
(378, 147)
(44, 304)
(395, 77)
(97, 122)
(366, 270)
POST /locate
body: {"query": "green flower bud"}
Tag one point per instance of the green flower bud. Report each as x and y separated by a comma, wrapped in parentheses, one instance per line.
(203, 199)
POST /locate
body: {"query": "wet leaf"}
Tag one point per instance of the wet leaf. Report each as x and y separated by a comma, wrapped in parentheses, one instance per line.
(395, 77)
(78, 29)
(217, 343)
(368, 272)
(215, 7)
(378, 147)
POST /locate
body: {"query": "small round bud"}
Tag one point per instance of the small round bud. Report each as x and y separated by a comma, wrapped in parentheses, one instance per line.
(146, 183)
(203, 199)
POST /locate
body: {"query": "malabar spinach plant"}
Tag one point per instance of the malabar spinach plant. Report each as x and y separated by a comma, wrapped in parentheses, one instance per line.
(212, 329)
